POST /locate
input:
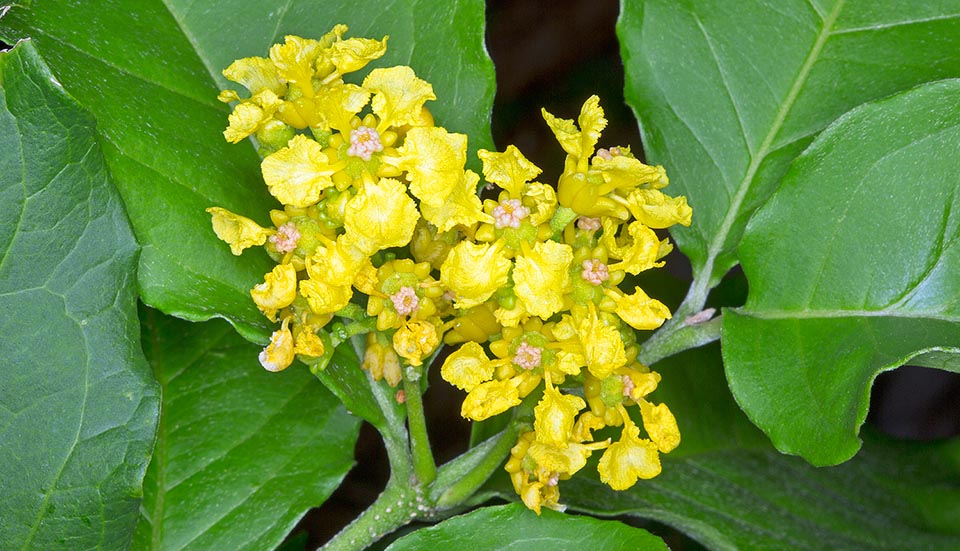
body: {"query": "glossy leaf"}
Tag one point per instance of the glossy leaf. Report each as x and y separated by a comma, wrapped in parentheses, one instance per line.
(853, 270)
(726, 98)
(78, 406)
(516, 527)
(726, 487)
(242, 453)
(149, 71)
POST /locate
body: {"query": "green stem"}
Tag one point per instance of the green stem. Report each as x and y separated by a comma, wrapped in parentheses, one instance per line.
(492, 455)
(395, 507)
(677, 338)
(423, 463)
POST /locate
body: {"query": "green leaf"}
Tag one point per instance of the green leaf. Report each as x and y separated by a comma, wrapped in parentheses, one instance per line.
(855, 281)
(149, 71)
(78, 407)
(726, 98)
(242, 454)
(516, 527)
(728, 488)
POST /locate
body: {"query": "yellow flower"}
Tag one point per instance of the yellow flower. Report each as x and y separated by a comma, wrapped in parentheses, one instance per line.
(639, 310)
(294, 60)
(564, 460)
(277, 291)
(398, 95)
(337, 262)
(338, 104)
(475, 271)
(309, 344)
(639, 251)
(510, 170)
(381, 360)
(541, 277)
(278, 355)
(468, 367)
(297, 174)
(238, 231)
(433, 160)
(255, 74)
(629, 459)
(323, 297)
(461, 208)
(353, 54)
(490, 398)
(251, 115)
(381, 216)
(624, 171)
(415, 340)
(658, 210)
(554, 416)
(579, 143)
(544, 202)
(661, 425)
(602, 346)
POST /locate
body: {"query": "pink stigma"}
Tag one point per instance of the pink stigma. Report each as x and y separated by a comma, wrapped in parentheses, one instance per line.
(586, 223)
(405, 301)
(509, 213)
(527, 357)
(364, 142)
(286, 238)
(595, 271)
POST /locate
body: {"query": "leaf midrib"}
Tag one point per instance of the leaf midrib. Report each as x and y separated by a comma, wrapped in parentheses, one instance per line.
(716, 246)
(779, 314)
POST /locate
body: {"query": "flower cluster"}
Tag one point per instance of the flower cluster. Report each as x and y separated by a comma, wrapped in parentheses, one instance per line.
(382, 228)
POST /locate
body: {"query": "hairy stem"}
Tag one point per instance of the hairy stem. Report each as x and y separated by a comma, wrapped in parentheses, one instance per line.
(396, 506)
(678, 337)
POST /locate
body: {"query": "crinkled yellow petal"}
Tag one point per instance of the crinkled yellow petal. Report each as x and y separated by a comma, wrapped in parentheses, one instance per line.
(658, 210)
(398, 95)
(512, 317)
(629, 459)
(602, 346)
(489, 399)
(337, 263)
(381, 216)
(338, 104)
(294, 60)
(278, 290)
(238, 231)
(353, 54)
(623, 172)
(661, 425)
(643, 383)
(467, 367)
(415, 340)
(569, 363)
(565, 459)
(641, 252)
(554, 416)
(639, 310)
(546, 202)
(323, 297)
(256, 74)
(566, 132)
(586, 424)
(250, 115)
(309, 344)
(297, 174)
(510, 170)
(579, 142)
(278, 355)
(541, 277)
(461, 207)
(475, 271)
(433, 160)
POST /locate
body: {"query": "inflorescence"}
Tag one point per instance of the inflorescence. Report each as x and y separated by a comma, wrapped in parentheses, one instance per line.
(383, 233)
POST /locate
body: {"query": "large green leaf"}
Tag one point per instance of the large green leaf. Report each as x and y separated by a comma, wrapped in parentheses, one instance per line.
(853, 268)
(149, 71)
(728, 488)
(726, 98)
(78, 407)
(516, 527)
(241, 454)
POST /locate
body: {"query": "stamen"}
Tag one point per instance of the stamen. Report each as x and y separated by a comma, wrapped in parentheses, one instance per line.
(364, 142)
(628, 385)
(405, 301)
(509, 213)
(286, 238)
(594, 271)
(527, 357)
